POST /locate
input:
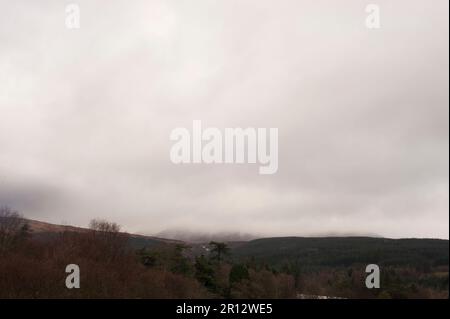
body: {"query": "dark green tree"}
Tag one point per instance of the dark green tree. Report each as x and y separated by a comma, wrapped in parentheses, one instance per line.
(180, 263)
(219, 250)
(204, 273)
(238, 273)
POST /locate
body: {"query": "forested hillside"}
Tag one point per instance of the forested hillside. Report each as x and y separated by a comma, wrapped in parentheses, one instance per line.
(114, 264)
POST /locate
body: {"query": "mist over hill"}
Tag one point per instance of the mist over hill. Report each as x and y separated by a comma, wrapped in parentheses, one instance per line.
(204, 237)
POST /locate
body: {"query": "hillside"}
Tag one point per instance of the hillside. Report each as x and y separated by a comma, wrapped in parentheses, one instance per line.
(309, 252)
(44, 231)
(345, 251)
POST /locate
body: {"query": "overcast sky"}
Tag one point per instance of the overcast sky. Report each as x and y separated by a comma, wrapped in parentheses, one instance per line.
(363, 114)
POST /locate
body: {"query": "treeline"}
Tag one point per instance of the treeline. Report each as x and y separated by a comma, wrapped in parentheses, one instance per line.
(111, 268)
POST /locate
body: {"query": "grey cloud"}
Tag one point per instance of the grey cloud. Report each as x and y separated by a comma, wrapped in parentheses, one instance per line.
(85, 115)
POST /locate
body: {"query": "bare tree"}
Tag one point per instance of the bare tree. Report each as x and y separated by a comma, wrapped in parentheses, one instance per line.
(13, 228)
(109, 238)
(103, 226)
